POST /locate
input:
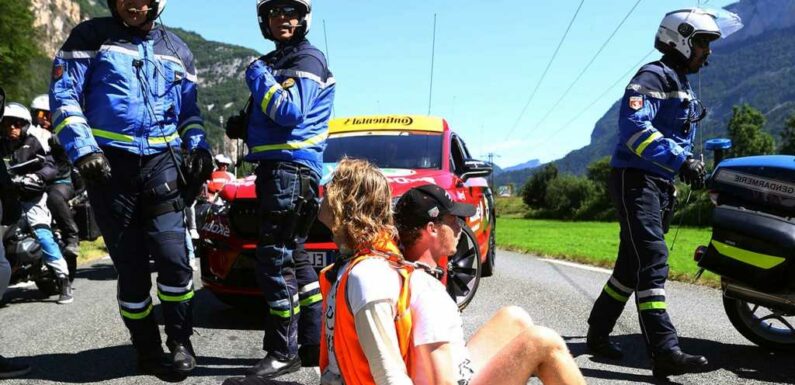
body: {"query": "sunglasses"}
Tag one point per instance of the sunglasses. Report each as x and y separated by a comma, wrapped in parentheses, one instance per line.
(285, 11)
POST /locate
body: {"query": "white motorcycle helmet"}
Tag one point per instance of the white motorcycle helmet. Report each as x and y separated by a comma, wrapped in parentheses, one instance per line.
(155, 9)
(16, 110)
(41, 103)
(678, 28)
(223, 159)
(305, 23)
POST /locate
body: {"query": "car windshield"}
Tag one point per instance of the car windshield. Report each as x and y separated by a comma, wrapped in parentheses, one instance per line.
(398, 149)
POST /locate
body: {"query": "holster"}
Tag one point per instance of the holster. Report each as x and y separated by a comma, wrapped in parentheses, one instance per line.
(297, 222)
(668, 211)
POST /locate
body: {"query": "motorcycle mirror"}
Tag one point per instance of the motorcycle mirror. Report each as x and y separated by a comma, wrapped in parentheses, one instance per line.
(719, 146)
(2, 102)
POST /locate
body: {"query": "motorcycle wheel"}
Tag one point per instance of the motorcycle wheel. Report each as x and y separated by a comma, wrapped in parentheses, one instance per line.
(464, 269)
(766, 327)
(47, 286)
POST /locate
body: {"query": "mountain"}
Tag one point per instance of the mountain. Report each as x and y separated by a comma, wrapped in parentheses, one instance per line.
(755, 65)
(220, 66)
(529, 164)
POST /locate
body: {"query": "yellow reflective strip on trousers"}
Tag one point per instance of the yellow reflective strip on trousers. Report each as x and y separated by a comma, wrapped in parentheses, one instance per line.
(652, 306)
(162, 140)
(291, 145)
(642, 146)
(136, 316)
(268, 96)
(112, 135)
(284, 313)
(190, 127)
(175, 298)
(312, 299)
(762, 261)
(66, 121)
(616, 296)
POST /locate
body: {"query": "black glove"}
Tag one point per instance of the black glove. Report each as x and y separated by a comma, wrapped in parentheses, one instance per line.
(693, 173)
(198, 166)
(94, 168)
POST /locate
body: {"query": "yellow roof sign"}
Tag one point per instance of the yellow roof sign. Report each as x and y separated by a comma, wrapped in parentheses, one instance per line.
(386, 122)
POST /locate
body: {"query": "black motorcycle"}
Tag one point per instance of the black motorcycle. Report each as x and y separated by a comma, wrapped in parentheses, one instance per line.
(753, 244)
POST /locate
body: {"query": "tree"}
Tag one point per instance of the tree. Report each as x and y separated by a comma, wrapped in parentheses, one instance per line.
(535, 190)
(567, 195)
(18, 50)
(746, 130)
(788, 137)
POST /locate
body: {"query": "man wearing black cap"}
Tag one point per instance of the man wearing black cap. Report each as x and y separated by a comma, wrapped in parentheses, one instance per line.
(507, 349)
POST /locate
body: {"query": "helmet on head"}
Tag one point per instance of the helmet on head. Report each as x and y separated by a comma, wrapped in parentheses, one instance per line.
(304, 23)
(222, 159)
(155, 9)
(41, 102)
(678, 28)
(16, 110)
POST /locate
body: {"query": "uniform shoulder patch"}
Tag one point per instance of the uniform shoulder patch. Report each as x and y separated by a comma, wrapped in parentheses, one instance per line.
(635, 102)
(288, 83)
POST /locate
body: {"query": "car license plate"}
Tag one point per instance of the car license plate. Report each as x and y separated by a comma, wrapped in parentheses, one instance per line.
(318, 258)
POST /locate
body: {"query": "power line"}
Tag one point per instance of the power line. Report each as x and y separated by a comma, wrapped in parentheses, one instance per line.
(593, 59)
(597, 99)
(433, 55)
(544, 74)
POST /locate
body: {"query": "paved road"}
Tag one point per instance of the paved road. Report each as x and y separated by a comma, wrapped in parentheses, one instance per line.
(85, 342)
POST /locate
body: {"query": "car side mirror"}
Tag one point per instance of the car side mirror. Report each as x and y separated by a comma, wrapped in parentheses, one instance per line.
(475, 168)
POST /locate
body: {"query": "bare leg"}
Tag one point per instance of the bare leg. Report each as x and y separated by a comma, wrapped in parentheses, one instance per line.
(508, 349)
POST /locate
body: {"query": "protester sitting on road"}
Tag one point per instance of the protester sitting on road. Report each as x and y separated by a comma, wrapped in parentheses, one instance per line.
(507, 349)
(387, 321)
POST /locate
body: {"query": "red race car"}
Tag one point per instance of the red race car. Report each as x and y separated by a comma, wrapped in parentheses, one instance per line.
(411, 151)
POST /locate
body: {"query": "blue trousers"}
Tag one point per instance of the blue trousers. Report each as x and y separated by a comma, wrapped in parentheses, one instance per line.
(139, 213)
(285, 190)
(644, 203)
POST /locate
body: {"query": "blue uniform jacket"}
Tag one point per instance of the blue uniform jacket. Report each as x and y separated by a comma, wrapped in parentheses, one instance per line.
(292, 95)
(112, 87)
(655, 132)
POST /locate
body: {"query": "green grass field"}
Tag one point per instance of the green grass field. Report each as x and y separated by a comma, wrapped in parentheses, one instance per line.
(90, 251)
(595, 243)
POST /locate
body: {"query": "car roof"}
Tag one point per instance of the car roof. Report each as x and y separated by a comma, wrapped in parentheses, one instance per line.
(387, 123)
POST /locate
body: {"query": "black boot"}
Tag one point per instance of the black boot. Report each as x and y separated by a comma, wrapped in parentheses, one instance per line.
(66, 290)
(310, 355)
(154, 362)
(9, 369)
(600, 345)
(677, 362)
(271, 367)
(70, 253)
(183, 357)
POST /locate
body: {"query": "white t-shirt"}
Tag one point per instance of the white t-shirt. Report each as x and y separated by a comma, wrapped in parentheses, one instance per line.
(435, 316)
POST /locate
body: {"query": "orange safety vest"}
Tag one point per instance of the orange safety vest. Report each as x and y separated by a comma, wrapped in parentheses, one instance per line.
(350, 357)
(218, 179)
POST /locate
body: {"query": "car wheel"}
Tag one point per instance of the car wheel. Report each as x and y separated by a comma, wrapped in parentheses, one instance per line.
(464, 270)
(488, 267)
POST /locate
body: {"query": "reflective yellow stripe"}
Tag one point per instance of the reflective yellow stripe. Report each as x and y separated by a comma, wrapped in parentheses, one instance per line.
(112, 135)
(136, 316)
(642, 146)
(291, 145)
(762, 261)
(310, 300)
(175, 298)
(190, 126)
(652, 306)
(284, 313)
(618, 297)
(162, 140)
(269, 96)
(67, 121)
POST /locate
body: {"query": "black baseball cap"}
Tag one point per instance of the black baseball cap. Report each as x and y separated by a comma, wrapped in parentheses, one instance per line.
(428, 203)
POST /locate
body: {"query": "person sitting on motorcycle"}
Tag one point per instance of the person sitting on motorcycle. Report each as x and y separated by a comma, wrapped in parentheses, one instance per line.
(61, 190)
(26, 143)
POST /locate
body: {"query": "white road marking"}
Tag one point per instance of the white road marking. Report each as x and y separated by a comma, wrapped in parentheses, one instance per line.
(577, 265)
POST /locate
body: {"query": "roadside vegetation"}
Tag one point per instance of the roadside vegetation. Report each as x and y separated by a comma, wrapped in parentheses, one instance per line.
(92, 250)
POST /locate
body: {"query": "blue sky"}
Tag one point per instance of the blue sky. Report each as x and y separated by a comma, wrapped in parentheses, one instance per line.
(489, 57)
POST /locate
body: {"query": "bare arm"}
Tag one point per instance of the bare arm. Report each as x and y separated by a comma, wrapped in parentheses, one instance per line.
(375, 327)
